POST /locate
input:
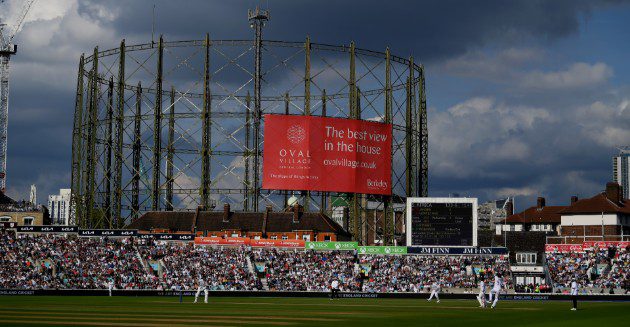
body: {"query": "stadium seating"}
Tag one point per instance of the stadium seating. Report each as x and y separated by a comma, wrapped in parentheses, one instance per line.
(596, 268)
(48, 261)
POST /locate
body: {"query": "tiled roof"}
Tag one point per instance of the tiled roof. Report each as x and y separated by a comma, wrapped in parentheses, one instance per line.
(535, 215)
(245, 221)
(597, 204)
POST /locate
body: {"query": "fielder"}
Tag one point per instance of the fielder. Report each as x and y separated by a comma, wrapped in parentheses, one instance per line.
(334, 289)
(435, 289)
(482, 293)
(496, 289)
(110, 286)
(574, 294)
(201, 286)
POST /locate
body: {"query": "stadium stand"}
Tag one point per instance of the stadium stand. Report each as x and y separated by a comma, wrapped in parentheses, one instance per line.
(595, 268)
(57, 261)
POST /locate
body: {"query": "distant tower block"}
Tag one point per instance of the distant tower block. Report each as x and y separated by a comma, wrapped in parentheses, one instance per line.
(33, 195)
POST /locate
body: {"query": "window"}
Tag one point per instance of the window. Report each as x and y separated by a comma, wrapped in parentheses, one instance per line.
(274, 237)
(257, 237)
(28, 221)
(284, 237)
(306, 237)
(327, 238)
(234, 235)
(526, 258)
(4, 219)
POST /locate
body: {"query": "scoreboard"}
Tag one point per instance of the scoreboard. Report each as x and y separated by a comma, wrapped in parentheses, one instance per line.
(441, 221)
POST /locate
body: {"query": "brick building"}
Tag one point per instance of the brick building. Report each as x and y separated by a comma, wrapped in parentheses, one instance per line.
(606, 216)
(538, 218)
(294, 224)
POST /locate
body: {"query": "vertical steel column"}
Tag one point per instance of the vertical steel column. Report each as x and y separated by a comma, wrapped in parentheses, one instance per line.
(323, 195)
(77, 153)
(286, 112)
(257, 18)
(107, 180)
(120, 121)
(169, 153)
(389, 230)
(413, 168)
(362, 198)
(424, 138)
(157, 130)
(247, 153)
(206, 139)
(91, 151)
(356, 214)
(408, 145)
(135, 182)
(307, 103)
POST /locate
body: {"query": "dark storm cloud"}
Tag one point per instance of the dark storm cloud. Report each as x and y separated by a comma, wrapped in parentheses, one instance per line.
(429, 30)
(432, 31)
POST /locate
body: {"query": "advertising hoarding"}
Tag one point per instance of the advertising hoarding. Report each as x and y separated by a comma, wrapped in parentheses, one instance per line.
(327, 154)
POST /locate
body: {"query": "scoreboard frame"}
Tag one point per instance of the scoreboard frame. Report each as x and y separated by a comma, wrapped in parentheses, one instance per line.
(411, 201)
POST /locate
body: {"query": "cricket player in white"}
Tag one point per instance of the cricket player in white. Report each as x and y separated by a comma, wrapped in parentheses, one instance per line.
(435, 289)
(496, 289)
(334, 289)
(574, 293)
(482, 293)
(201, 286)
(110, 286)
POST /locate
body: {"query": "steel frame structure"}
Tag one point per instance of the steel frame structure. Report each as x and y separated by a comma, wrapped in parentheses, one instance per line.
(173, 125)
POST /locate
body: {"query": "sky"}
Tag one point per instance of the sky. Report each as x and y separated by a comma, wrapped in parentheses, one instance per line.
(525, 98)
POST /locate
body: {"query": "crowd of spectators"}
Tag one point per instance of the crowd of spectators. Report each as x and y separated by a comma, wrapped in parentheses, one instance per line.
(59, 262)
(313, 271)
(48, 261)
(605, 268)
(307, 270)
(185, 266)
(417, 273)
(25, 261)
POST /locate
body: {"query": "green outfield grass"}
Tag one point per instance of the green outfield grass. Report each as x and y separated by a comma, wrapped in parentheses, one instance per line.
(167, 311)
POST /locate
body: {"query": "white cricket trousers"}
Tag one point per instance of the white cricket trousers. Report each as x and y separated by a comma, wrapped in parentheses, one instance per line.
(482, 298)
(494, 292)
(434, 293)
(205, 293)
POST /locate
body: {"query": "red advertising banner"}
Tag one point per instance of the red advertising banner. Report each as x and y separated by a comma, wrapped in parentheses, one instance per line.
(222, 241)
(605, 244)
(310, 153)
(564, 248)
(277, 243)
(248, 241)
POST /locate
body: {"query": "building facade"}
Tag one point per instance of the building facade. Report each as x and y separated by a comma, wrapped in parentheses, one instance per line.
(293, 224)
(492, 212)
(59, 207)
(621, 171)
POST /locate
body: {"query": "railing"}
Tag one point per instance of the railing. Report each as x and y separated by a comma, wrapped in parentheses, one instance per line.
(579, 239)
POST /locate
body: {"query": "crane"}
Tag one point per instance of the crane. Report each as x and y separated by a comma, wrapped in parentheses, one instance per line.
(7, 49)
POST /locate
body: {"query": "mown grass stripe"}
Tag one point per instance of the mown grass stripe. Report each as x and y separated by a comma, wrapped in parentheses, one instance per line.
(240, 317)
(159, 320)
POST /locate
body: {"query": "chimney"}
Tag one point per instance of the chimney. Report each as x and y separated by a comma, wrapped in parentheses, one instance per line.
(540, 203)
(613, 191)
(574, 199)
(296, 213)
(226, 212)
